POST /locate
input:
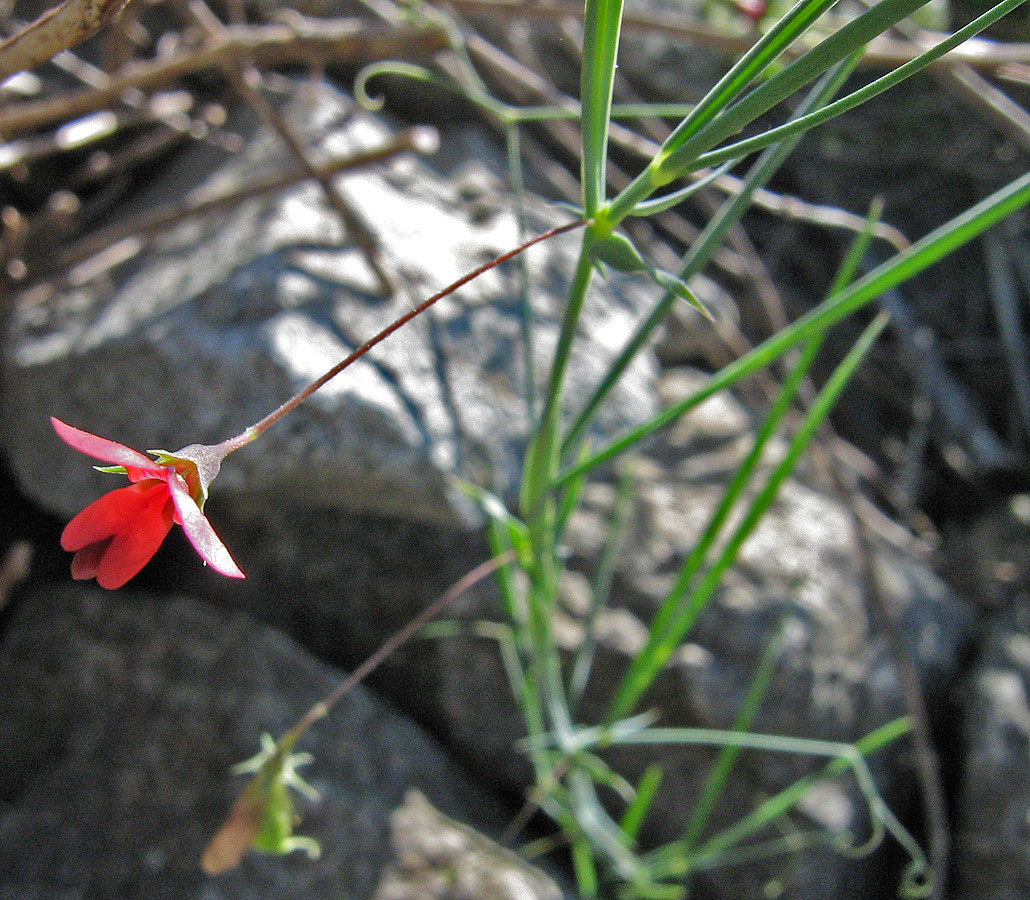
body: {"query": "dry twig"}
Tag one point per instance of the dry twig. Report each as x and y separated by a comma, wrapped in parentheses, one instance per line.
(57, 29)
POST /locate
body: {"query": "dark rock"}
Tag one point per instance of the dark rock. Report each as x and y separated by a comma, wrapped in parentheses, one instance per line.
(120, 717)
(992, 842)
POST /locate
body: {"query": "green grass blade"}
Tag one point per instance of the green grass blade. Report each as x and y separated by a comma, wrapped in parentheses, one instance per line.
(850, 38)
(676, 617)
(600, 589)
(672, 616)
(601, 25)
(782, 34)
(720, 772)
(858, 97)
(925, 252)
(703, 249)
(676, 860)
(633, 818)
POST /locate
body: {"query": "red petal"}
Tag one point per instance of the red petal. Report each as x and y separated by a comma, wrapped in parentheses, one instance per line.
(107, 516)
(199, 531)
(101, 448)
(85, 562)
(134, 546)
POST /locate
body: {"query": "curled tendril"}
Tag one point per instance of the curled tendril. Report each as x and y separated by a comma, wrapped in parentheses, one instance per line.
(391, 67)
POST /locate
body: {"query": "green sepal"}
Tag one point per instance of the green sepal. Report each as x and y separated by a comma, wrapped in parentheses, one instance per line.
(618, 251)
(112, 470)
(198, 464)
(275, 769)
(680, 288)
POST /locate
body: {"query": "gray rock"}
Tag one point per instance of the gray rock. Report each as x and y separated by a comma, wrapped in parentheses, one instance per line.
(119, 720)
(225, 316)
(835, 679)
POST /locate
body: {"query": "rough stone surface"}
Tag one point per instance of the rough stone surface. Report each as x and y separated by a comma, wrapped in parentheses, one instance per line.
(440, 859)
(120, 717)
(799, 572)
(992, 842)
(224, 317)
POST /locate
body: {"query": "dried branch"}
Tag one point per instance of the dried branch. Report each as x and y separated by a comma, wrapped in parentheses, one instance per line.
(245, 77)
(57, 29)
(343, 40)
(419, 139)
(882, 52)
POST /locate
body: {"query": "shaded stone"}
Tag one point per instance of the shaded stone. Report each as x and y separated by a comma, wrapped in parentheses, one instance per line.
(120, 717)
(992, 824)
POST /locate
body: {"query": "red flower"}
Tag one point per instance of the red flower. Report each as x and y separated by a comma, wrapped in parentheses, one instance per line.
(116, 536)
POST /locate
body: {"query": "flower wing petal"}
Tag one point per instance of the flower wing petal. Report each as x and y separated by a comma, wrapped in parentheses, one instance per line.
(135, 545)
(199, 531)
(105, 517)
(101, 448)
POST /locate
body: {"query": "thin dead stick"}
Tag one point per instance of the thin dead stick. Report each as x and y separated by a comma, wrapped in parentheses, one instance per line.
(412, 139)
(882, 52)
(339, 40)
(245, 77)
(57, 29)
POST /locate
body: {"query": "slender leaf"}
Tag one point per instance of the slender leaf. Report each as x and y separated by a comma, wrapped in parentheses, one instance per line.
(910, 262)
(702, 250)
(675, 617)
(848, 39)
(764, 52)
(863, 95)
(602, 22)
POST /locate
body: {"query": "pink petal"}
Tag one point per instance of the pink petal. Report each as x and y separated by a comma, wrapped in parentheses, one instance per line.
(101, 448)
(107, 516)
(135, 545)
(199, 531)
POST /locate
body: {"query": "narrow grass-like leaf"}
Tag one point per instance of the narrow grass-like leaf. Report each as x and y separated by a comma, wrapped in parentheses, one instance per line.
(764, 52)
(910, 262)
(633, 818)
(604, 832)
(715, 783)
(602, 23)
(584, 868)
(844, 42)
(676, 617)
(856, 98)
(601, 588)
(702, 250)
(674, 198)
(526, 318)
(678, 610)
(676, 860)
